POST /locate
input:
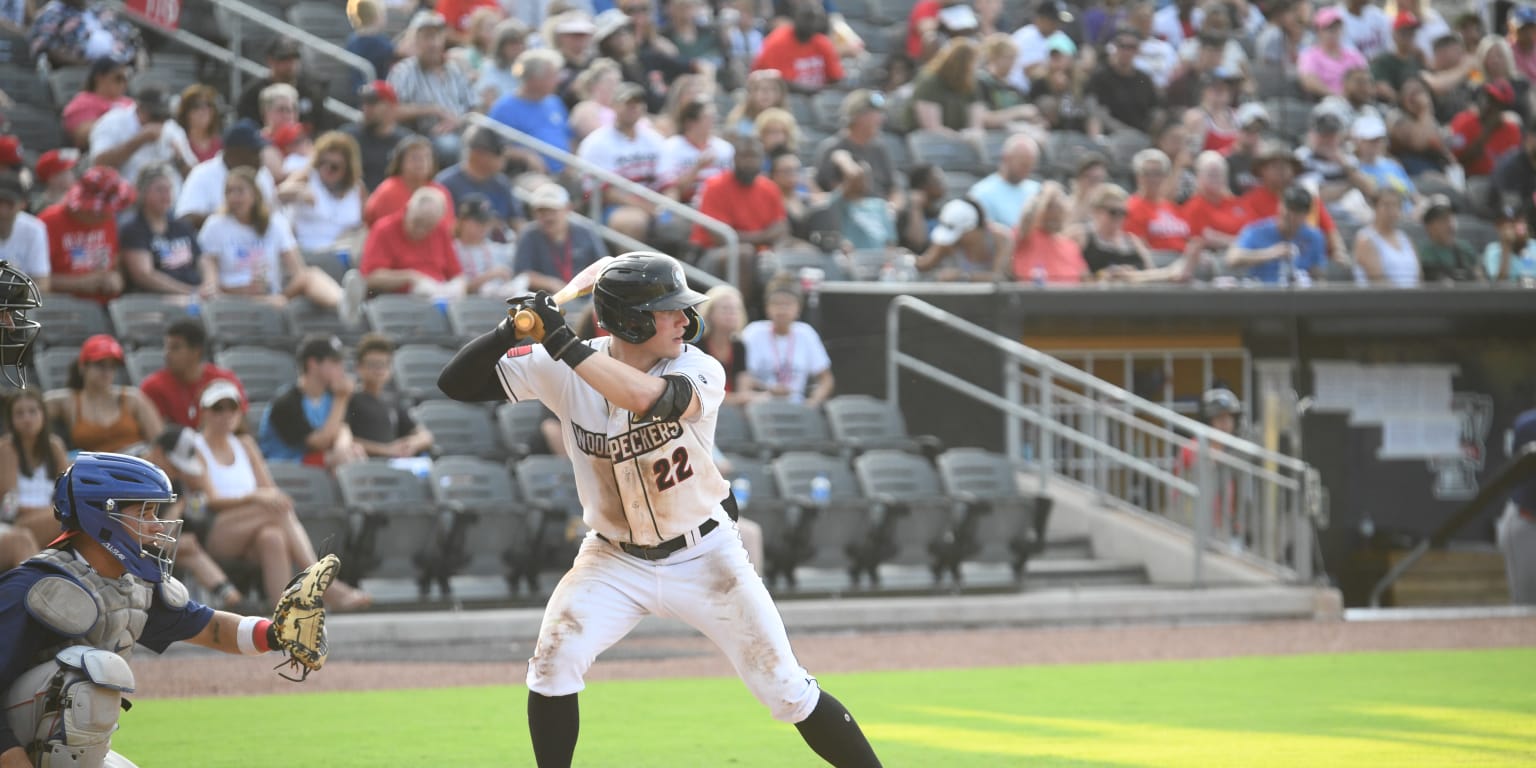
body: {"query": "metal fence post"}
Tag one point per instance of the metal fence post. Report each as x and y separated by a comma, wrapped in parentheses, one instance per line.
(1205, 478)
(1047, 450)
(1012, 389)
(234, 45)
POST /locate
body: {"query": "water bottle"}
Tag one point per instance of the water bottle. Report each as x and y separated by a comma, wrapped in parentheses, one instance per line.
(194, 307)
(821, 490)
(1037, 276)
(741, 488)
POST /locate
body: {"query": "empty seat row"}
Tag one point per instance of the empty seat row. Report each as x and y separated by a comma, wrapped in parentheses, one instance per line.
(846, 424)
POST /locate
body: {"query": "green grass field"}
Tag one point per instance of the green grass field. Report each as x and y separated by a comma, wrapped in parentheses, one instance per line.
(1383, 709)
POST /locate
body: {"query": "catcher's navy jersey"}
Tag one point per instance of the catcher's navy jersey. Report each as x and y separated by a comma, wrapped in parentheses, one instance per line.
(639, 480)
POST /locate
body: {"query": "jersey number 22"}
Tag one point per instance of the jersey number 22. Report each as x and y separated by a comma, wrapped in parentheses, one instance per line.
(673, 471)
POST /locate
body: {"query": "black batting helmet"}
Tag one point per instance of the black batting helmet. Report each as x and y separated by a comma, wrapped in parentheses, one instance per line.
(637, 283)
(18, 298)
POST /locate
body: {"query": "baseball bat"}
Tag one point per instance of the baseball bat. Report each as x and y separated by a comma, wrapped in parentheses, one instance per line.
(582, 284)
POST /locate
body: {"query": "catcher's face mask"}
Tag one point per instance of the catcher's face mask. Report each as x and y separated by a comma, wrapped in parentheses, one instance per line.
(157, 538)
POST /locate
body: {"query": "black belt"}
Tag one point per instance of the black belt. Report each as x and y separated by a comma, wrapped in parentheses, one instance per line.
(665, 549)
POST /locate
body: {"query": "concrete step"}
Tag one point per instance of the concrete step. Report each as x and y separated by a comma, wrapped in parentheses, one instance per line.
(1077, 572)
(1067, 548)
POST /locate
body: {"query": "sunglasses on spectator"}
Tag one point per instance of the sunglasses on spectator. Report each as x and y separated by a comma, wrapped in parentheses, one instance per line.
(330, 165)
(1118, 213)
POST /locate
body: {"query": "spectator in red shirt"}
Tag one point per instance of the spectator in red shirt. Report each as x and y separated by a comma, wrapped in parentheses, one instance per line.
(1481, 134)
(748, 202)
(412, 250)
(412, 166)
(82, 235)
(806, 57)
(175, 389)
(1213, 213)
(1275, 167)
(1149, 214)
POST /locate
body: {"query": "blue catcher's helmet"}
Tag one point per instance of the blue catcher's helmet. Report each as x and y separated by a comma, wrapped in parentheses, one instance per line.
(97, 496)
(1520, 440)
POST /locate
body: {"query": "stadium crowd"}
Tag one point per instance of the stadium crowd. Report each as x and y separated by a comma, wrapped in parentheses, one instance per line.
(1131, 141)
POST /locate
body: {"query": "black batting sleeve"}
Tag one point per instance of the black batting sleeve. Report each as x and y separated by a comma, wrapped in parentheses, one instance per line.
(470, 376)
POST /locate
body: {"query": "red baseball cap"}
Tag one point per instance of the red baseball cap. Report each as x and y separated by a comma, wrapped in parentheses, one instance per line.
(10, 151)
(54, 162)
(1501, 91)
(1405, 20)
(100, 347)
(100, 190)
(379, 90)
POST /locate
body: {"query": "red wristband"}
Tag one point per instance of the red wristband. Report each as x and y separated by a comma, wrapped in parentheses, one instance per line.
(259, 635)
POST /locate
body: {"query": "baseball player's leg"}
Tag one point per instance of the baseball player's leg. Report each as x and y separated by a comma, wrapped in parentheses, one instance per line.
(1517, 541)
(595, 605)
(719, 594)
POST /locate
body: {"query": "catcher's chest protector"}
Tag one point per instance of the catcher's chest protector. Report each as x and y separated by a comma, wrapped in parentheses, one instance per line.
(113, 611)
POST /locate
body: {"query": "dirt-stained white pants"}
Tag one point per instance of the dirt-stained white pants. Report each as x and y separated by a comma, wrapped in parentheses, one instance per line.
(711, 586)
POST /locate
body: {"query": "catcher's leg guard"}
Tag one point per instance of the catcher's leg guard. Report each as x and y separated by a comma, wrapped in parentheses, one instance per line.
(68, 708)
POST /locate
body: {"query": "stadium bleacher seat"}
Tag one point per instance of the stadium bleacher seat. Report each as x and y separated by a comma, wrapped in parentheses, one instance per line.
(916, 521)
(1001, 524)
(779, 520)
(318, 507)
(473, 315)
(402, 532)
(946, 151)
(408, 319)
(416, 368)
(864, 423)
(141, 318)
(837, 534)
(263, 372)
(68, 321)
(52, 366)
(548, 484)
(236, 320)
(492, 533)
(459, 429)
(779, 426)
(305, 318)
(142, 362)
(518, 425)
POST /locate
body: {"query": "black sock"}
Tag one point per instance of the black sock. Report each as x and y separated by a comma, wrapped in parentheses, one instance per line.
(832, 733)
(553, 722)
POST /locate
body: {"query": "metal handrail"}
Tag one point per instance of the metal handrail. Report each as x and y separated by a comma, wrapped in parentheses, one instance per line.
(316, 43)
(732, 241)
(236, 62)
(1135, 453)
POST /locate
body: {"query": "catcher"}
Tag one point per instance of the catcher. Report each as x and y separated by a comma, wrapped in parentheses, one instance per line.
(70, 616)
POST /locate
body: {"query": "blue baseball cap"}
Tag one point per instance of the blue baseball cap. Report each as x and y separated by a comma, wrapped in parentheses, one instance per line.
(1525, 15)
(1522, 437)
(244, 134)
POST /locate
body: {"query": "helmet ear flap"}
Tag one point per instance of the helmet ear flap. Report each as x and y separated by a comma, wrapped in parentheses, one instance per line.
(695, 329)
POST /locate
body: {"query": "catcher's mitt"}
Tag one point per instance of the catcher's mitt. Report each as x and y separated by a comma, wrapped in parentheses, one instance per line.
(298, 622)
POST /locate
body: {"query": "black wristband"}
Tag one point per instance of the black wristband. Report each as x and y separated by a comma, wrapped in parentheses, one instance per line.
(562, 344)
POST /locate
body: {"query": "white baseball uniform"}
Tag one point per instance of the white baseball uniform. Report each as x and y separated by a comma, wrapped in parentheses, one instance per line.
(646, 482)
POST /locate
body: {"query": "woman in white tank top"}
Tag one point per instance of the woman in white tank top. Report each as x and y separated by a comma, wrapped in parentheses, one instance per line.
(253, 520)
(1383, 253)
(31, 457)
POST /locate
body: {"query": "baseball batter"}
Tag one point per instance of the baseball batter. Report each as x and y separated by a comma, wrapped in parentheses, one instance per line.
(637, 411)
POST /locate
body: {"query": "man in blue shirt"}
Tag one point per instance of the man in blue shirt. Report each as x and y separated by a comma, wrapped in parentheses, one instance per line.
(479, 173)
(535, 109)
(308, 421)
(1283, 249)
(1004, 194)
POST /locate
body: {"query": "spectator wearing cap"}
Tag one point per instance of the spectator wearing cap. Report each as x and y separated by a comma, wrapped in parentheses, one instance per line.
(1383, 253)
(1277, 50)
(1523, 22)
(307, 422)
(1366, 27)
(863, 117)
(1276, 169)
(552, 249)
(284, 59)
(379, 132)
(370, 38)
(159, 253)
(249, 250)
(1004, 193)
(1252, 123)
(535, 109)
(1176, 22)
(23, 237)
(1056, 101)
(630, 149)
(1150, 214)
(97, 414)
(965, 246)
(433, 96)
(174, 389)
(1443, 256)
(1370, 138)
(325, 197)
(54, 175)
(694, 154)
(412, 166)
(74, 32)
(133, 136)
(82, 235)
(1041, 249)
(570, 34)
(865, 221)
(1280, 249)
(1213, 213)
(495, 80)
(1126, 96)
(919, 215)
(197, 113)
(945, 98)
(106, 87)
(1033, 42)
(1326, 162)
(1394, 66)
(1481, 135)
(805, 56)
(1322, 66)
(616, 42)
(411, 251)
(486, 264)
(10, 154)
(478, 172)
(749, 203)
(380, 419)
(203, 191)
(1213, 121)
(1511, 258)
